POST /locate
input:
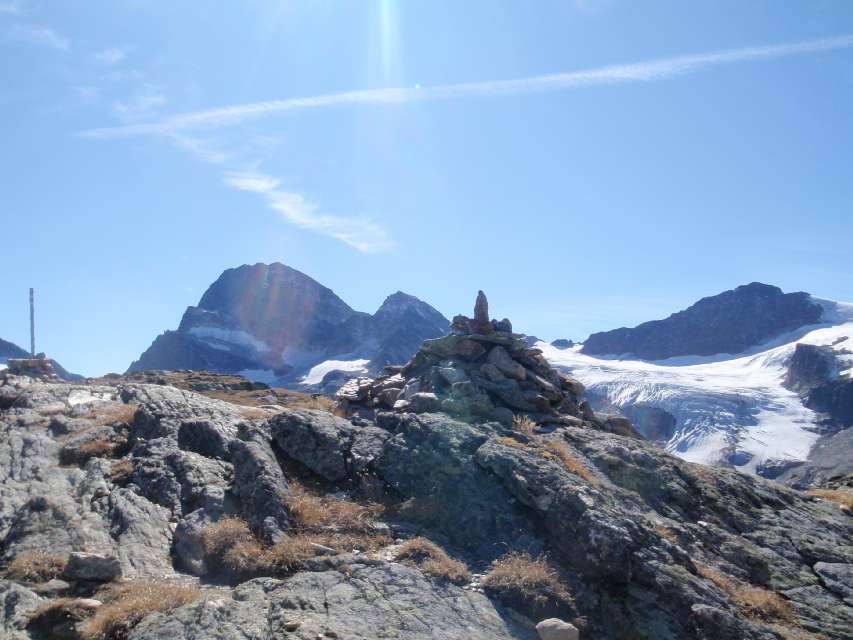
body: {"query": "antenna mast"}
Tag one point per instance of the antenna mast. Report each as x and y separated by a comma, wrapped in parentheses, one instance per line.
(32, 324)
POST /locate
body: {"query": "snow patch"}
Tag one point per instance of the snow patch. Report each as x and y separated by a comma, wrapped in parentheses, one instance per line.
(84, 396)
(236, 337)
(319, 371)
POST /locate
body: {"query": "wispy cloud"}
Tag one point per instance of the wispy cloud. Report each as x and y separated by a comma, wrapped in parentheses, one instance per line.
(142, 105)
(650, 71)
(10, 8)
(38, 35)
(110, 56)
(361, 234)
(200, 149)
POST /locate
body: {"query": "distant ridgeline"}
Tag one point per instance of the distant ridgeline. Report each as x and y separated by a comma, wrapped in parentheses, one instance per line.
(274, 324)
(730, 322)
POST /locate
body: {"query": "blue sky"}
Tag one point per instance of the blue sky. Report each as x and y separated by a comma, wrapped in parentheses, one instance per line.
(589, 164)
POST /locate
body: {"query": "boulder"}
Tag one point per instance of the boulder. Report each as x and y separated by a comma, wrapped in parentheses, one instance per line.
(423, 402)
(500, 359)
(92, 567)
(16, 603)
(556, 629)
(366, 599)
(469, 349)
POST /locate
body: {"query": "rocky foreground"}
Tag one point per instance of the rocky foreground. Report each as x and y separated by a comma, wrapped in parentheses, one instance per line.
(134, 508)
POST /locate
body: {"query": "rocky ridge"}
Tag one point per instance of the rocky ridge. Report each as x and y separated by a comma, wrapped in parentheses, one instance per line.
(630, 541)
(729, 322)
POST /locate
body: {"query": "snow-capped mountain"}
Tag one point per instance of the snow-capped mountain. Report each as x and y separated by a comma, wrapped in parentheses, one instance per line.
(744, 409)
(274, 324)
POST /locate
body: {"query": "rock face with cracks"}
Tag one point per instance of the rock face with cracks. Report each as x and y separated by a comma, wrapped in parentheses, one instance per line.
(644, 545)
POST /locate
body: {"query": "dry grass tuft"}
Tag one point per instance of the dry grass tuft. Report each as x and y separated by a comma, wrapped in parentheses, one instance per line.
(35, 566)
(231, 547)
(794, 633)
(59, 613)
(754, 601)
(525, 425)
(315, 402)
(512, 442)
(570, 460)
(519, 576)
(100, 448)
(121, 471)
(221, 536)
(112, 413)
(314, 512)
(667, 534)
(844, 497)
(433, 561)
(127, 603)
(255, 413)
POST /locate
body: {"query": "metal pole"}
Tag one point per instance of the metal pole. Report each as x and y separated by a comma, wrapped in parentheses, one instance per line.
(32, 325)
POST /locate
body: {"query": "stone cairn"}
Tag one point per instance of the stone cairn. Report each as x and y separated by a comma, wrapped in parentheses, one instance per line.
(481, 371)
(39, 367)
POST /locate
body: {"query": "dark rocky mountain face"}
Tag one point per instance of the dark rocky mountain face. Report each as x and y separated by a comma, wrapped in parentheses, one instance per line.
(813, 373)
(730, 322)
(276, 319)
(401, 324)
(11, 350)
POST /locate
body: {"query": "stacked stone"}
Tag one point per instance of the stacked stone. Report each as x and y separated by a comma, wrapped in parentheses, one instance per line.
(480, 371)
(38, 367)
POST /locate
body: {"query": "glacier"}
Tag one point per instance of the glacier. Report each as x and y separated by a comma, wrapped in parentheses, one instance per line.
(729, 408)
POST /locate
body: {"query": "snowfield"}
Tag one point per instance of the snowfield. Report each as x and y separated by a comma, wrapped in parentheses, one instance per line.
(726, 407)
(316, 374)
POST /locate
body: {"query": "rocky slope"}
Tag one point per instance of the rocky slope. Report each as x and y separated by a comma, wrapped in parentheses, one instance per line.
(275, 324)
(215, 520)
(764, 410)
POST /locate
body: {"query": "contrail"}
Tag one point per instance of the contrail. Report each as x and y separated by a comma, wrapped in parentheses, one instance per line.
(660, 69)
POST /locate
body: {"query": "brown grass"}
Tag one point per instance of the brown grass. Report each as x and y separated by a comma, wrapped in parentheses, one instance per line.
(112, 413)
(231, 546)
(667, 534)
(255, 413)
(844, 497)
(221, 536)
(127, 603)
(315, 512)
(35, 566)
(512, 442)
(58, 611)
(570, 460)
(99, 448)
(754, 601)
(521, 576)
(524, 425)
(121, 471)
(433, 561)
(794, 633)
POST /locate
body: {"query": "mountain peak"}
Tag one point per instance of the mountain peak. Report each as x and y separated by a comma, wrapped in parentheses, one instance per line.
(729, 322)
(272, 320)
